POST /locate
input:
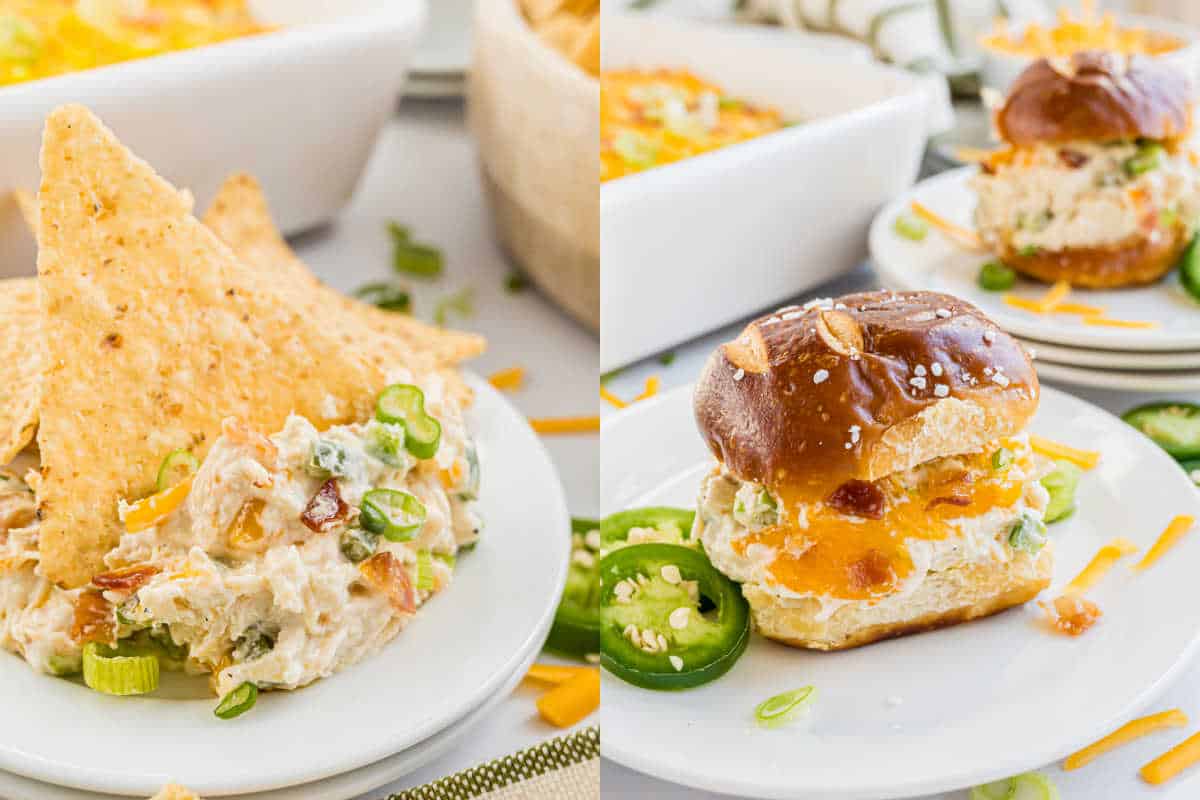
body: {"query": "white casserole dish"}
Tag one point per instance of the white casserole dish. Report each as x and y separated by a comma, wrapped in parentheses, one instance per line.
(691, 246)
(300, 108)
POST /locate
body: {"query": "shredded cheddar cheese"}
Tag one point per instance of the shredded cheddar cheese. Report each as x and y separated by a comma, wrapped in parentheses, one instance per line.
(1166, 540)
(652, 385)
(1085, 459)
(1134, 729)
(571, 701)
(1172, 762)
(1108, 322)
(606, 394)
(1104, 560)
(962, 236)
(1082, 309)
(1061, 307)
(508, 380)
(1050, 301)
(154, 509)
(566, 425)
(553, 673)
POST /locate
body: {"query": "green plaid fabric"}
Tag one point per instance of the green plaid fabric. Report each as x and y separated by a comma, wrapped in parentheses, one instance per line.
(505, 775)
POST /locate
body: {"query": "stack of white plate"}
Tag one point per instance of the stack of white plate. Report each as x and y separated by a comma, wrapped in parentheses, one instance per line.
(348, 734)
(1161, 358)
(439, 67)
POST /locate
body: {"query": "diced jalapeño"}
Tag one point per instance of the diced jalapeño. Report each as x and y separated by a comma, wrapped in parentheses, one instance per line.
(404, 404)
(392, 514)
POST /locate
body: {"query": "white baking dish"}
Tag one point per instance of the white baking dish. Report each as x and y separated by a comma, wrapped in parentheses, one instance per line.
(300, 108)
(691, 246)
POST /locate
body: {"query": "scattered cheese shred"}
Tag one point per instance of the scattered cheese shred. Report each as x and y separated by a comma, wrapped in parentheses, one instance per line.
(553, 673)
(975, 155)
(1086, 459)
(652, 385)
(1108, 322)
(1083, 309)
(1034, 306)
(569, 702)
(1051, 300)
(1166, 540)
(1101, 563)
(1134, 729)
(962, 236)
(1172, 762)
(566, 425)
(150, 511)
(1038, 307)
(617, 402)
(508, 380)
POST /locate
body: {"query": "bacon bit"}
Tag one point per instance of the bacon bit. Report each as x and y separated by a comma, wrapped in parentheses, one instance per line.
(508, 380)
(858, 499)
(1071, 614)
(94, 619)
(128, 579)
(1073, 159)
(326, 509)
(384, 572)
(951, 500)
(871, 570)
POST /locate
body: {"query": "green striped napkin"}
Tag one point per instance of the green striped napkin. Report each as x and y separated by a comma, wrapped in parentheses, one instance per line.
(567, 768)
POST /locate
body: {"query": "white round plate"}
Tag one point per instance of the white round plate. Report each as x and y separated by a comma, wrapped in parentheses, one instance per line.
(340, 787)
(1119, 380)
(1113, 359)
(454, 655)
(939, 265)
(932, 712)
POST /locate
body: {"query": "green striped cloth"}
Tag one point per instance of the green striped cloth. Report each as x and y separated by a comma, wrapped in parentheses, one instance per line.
(567, 768)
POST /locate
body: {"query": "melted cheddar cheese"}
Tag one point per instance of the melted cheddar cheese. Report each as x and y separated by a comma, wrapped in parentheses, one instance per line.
(813, 549)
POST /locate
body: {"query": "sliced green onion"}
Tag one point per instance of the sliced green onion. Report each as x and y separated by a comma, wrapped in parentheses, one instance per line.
(424, 571)
(1028, 533)
(392, 514)
(635, 149)
(471, 492)
(781, 708)
(1029, 251)
(667, 359)
(995, 276)
(516, 282)
(1148, 158)
(385, 442)
(413, 258)
(405, 404)
(358, 544)
(238, 701)
(63, 666)
(388, 296)
(449, 559)
(328, 459)
(911, 227)
(461, 303)
(119, 671)
(1061, 484)
(1002, 458)
(1030, 786)
(178, 465)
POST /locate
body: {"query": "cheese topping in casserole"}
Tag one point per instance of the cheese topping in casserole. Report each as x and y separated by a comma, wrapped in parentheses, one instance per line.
(651, 118)
(936, 516)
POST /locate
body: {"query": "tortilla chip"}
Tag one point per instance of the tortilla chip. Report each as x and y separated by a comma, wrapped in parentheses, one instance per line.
(153, 333)
(241, 218)
(20, 365)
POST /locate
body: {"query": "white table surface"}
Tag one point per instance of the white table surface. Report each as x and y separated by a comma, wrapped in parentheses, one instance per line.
(1111, 778)
(424, 175)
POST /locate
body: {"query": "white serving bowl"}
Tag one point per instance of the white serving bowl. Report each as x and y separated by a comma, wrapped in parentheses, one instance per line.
(999, 69)
(300, 108)
(691, 246)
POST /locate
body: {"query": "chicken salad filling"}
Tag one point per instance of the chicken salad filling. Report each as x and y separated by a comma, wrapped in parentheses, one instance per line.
(279, 561)
(1084, 194)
